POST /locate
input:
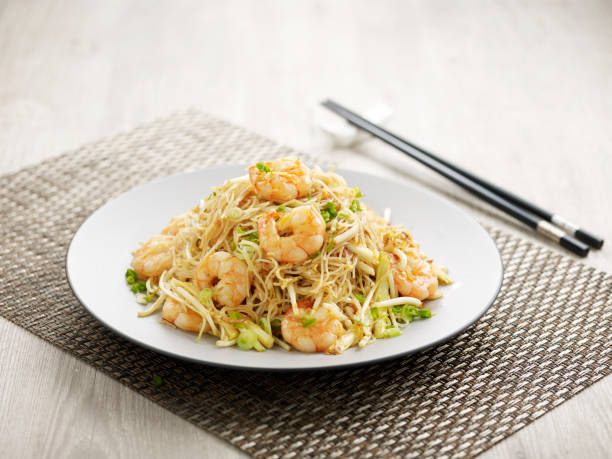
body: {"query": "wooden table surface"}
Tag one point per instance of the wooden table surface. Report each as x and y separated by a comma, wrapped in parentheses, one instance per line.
(520, 92)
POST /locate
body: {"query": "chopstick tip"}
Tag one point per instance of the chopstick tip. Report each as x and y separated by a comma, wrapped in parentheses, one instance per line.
(574, 245)
(594, 241)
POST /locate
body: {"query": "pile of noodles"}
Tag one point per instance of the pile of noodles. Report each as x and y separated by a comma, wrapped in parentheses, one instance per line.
(343, 273)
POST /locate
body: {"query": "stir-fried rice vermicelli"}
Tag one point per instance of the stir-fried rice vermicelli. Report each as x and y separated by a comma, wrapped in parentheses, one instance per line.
(286, 255)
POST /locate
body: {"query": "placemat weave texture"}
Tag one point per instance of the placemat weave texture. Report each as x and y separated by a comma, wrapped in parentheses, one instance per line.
(546, 338)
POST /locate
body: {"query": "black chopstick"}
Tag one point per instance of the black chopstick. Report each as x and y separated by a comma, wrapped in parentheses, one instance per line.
(571, 228)
(455, 174)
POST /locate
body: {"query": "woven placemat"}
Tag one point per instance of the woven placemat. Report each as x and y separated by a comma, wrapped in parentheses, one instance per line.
(546, 338)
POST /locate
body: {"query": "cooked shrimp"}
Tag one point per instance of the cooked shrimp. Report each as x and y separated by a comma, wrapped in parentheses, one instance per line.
(181, 316)
(154, 257)
(421, 282)
(314, 330)
(226, 275)
(307, 227)
(287, 179)
(175, 225)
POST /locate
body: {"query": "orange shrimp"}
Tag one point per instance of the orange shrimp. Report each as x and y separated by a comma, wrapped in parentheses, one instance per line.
(307, 227)
(181, 316)
(226, 275)
(313, 330)
(286, 179)
(419, 282)
(154, 257)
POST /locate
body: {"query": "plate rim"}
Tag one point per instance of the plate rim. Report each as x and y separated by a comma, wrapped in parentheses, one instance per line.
(339, 366)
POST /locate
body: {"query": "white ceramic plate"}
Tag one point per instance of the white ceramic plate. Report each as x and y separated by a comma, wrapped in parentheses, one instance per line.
(100, 252)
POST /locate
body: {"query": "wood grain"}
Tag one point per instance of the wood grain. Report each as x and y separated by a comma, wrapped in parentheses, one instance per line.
(520, 92)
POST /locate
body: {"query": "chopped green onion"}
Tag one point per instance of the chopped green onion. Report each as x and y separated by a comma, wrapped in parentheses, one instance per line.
(329, 212)
(355, 206)
(235, 315)
(276, 323)
(233, 245)
(375, 313)
(141, 298)
(253, 237)
(331, 207)
(391, 332)
(357, 192)
(281, 208)
(360, 297)
(157, 380)
(409, 313)
(308, 321)
(247, 339)
(240, 230)
(263, 168)
(265, 324)
(205, 295)
(382, 277)
(315, 255)
(239, 325)
(234, 213)
(379, 329)
(139, 287)
(246, 251)
(131, 276)
(262, 336)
